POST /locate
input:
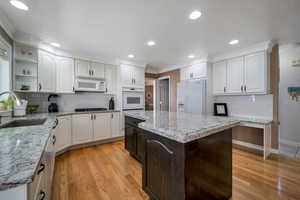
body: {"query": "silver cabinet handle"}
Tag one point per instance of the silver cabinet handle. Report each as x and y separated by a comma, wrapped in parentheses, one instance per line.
(224, 89)
(245, 88)
(42, 195)
(242, 88)
(40, 86)
(53, 139)
(41, 168)
(94, 117)
(91, 116)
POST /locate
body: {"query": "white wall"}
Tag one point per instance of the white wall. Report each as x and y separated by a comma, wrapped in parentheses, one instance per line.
(260, 106)
(289, 111)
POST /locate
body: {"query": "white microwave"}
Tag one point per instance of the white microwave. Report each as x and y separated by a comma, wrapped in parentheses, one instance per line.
(133, 98)
(90, 85)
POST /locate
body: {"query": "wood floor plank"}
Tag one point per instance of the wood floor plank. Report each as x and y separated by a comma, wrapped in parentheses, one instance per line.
(107, 172)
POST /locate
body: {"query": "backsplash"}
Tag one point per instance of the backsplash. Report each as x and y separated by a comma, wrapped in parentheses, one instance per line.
(248, 106)
(68, 102)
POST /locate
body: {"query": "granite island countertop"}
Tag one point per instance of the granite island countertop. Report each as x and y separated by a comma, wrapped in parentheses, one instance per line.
(182, 127)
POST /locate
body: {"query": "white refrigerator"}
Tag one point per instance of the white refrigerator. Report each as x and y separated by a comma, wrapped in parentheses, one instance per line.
(191, 96)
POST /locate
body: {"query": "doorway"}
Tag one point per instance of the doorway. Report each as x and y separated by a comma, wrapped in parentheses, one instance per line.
(149, 94)
(162, 94)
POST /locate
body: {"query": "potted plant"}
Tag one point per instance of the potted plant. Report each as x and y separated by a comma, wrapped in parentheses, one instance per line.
(6, 104)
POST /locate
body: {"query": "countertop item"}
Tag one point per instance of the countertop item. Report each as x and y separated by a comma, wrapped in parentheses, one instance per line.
(182, 127)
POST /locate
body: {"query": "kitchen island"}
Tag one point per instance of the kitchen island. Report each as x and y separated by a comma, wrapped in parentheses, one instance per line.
(184, 156)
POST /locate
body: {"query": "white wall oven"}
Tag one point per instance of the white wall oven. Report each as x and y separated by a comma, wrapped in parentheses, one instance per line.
(133, 99)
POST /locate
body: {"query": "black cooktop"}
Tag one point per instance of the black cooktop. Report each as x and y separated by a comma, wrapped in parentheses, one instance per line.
(89, 109)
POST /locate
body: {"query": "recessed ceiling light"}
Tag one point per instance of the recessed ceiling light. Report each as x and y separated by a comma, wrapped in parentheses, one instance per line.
(195, 15)
(130, 56)
(19, 4)
(233, 42)
(151, 43)
(191, 56)
(55, 44)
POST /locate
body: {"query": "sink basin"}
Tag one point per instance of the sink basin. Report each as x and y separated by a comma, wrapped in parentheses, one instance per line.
(21, 123)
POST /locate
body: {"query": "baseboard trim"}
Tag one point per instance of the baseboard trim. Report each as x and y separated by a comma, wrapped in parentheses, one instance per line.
(88, 144)
(253, 146)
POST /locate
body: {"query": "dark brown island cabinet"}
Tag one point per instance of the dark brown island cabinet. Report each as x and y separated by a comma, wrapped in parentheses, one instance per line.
(196, 170)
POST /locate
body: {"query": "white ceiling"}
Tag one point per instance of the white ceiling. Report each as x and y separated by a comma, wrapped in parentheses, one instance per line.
(111, 29)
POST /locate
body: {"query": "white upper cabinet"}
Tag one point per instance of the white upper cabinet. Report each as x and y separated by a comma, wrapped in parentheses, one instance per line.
(244, 75)
(195, 71)
(83, 68)
(101, 126)
(64, 75)
(219, 77)
(46, 72)
(255, 73)
(132, 76)
(139, 76)
(111, 76)
(235, 75)
(97, 70)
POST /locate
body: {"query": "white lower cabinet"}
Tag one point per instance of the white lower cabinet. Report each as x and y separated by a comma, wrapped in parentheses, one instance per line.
(115, 125)
(82, 128)
(101, 126)
(63, 133)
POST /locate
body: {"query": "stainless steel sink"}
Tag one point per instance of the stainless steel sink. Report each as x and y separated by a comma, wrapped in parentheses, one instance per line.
(25, 122)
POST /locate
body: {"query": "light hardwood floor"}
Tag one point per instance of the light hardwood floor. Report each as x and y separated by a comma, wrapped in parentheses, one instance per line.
(107, 172)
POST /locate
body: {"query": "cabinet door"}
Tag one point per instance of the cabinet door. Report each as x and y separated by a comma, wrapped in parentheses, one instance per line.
(219, 78)
(63, 133)
(101, 126)
(64, 75)
(235, 76)
(46, 72)
(126, 75)
(97, 70)
(82, 128)
(82, 68)
(139, 76)
(256, 73)
(183, 74)
(111, 79)
(130, 139)
(115, 124)
(199, 70)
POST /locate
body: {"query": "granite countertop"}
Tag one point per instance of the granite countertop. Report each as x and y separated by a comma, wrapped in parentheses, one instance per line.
(182, 127)
(21, 149)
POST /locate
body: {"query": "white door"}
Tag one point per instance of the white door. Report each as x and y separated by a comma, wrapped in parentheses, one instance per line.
(139, 76)
(111, 79)
(255, 73)
(97, 70)
(127, 75)
(83, 68)
(64, 75)
(235, 76)
(82, 128)
(219, 78)
(101, 126)
(115, 124)
(46, 72)
(63, 133)
(199, 70)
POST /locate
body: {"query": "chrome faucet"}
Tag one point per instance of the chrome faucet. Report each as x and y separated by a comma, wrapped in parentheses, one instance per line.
(11, 93)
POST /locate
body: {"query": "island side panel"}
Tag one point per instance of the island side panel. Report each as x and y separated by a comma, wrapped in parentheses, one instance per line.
(163, 168)
(208, 167)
